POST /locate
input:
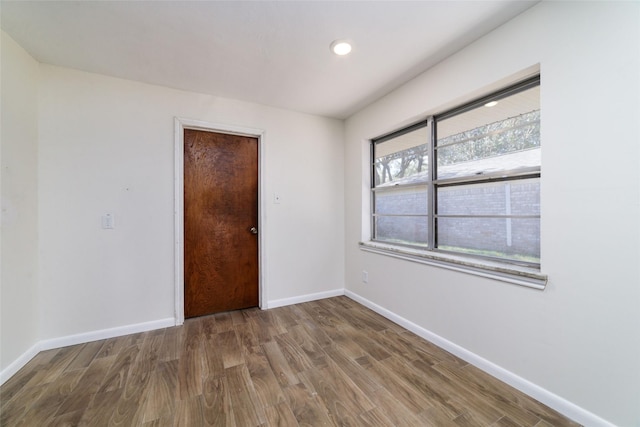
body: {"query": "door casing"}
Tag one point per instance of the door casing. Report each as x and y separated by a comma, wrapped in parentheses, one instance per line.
(180, 125)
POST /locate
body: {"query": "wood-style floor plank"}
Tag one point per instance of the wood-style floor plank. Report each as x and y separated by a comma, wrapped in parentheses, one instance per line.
(160, 402)
(89, 384)
(264, 380)
(192, 365)
(306, 407)
(296, 357)
(189, 412)
(285, 375)
(340, 395)
(394, 410)
(280, 415)
(86, 355)
(216, 402)
(42, 411)
(349, 366)
(330, 363)
(244, 400)
(408, 395)
(230, 349)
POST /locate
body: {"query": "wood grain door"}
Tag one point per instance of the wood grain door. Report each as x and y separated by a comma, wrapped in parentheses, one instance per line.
(220, 222)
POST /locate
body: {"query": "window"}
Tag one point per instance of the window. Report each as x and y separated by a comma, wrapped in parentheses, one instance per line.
(466, 181)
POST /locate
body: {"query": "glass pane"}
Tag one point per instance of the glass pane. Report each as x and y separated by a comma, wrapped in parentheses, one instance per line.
(487, 139)
(402, 201)
(510, 238)
(517, 197)
(402, 160)
(410, 230)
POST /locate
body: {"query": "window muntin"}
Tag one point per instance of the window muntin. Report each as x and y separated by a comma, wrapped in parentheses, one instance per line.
(400, 174)
(470, 186)
(513, 246)
(403, 159)
(497, 219)
(402, 200)
(485, 140)
(519, 197)
(404, 230)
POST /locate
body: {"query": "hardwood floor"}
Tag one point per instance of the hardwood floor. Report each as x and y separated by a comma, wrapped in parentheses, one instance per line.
(324, 363)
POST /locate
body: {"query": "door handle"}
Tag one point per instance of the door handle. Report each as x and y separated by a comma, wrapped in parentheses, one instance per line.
(253, 230)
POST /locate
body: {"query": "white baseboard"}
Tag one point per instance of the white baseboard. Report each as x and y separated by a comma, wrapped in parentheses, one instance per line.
(42, 345)
(17, 364)
(550, 399)
(106, 333)
(85, 337)
(304, 298)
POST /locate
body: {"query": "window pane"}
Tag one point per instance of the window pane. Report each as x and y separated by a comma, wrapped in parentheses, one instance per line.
(402, 160)
(409, 230)
(486, 196)
(404, 201)
(517, 197)
(485, 139)
(511, 238)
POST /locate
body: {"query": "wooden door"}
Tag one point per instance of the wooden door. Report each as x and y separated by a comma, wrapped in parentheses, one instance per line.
(220, 222)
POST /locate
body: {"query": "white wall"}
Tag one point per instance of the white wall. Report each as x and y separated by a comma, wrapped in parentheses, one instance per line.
(99, 144)
(106, 145)
(19, 238)
(579, 339)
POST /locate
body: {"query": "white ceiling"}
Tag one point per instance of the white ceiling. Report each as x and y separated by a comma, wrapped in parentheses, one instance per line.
(269, 52)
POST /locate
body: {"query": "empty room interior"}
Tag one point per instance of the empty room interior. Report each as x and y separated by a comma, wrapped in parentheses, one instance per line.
(212, 215)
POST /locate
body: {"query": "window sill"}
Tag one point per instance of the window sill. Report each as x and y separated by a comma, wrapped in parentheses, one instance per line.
(514, 274)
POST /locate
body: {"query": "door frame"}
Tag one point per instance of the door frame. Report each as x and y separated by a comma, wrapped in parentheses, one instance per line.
(180, 125)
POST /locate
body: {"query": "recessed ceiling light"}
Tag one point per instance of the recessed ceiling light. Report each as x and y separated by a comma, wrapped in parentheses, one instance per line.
(340, 47)
(491, 104)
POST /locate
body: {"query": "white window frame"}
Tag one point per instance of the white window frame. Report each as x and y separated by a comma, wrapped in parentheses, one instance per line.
(521, 273)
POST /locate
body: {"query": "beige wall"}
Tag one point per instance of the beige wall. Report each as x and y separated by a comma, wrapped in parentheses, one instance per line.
(83, 145)
(107, 145)
(19, 239)
(578, 339)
